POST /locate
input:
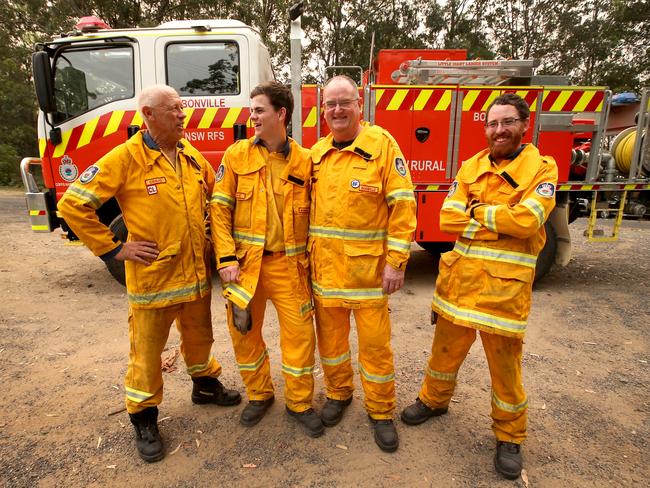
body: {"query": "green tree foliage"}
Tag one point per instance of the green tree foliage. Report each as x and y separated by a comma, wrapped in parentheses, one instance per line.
(591, 41)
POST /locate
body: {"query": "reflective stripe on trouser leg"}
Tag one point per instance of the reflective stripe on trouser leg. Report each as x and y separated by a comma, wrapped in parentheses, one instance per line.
(194, 323)
(148, 332)
(376, 361)
(451, 343)
(297, 337)
(333, 331)
(250, 350)
(509, 402)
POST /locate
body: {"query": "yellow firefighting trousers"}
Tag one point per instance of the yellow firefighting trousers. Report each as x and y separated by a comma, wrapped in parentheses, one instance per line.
(297, 339)
(375, 356)
(451, 343)
(148, 333)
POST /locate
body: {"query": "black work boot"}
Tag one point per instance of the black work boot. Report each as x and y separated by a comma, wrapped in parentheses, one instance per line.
(147, 437)
(333, 411)
(507, 460)
(418, 412)
(310, 421)
(210, 390)
(254, 411)
(385, 434)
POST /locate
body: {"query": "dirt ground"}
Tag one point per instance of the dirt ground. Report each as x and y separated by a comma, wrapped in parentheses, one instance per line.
(63, 353)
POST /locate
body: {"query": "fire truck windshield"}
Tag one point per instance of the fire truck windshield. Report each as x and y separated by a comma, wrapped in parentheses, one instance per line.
(87, 78)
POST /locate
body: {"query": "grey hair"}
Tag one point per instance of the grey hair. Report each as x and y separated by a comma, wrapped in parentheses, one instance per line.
(150, 95)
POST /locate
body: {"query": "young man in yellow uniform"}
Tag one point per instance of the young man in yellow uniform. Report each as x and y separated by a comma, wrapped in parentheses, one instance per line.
(497, 207)
(260, 213)
(362, 221)
(162, 185)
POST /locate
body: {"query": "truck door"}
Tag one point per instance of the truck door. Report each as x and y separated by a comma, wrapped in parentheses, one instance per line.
(211, 75)
(94, 91)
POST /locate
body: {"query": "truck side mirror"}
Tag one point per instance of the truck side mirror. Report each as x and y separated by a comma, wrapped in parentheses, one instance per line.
(43, 82)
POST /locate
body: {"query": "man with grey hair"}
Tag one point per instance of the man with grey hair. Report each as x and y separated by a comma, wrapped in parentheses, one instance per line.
(161, 184)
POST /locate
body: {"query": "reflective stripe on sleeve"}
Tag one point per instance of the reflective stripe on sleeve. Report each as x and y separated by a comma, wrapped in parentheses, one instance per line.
(471, 229)
(400, 195)
(223, 199)
(499, 255)
(248, 238)
(490, 218)
(239, 291)
(454, 205)
(85, 196)
(398, 244)
(536, 208)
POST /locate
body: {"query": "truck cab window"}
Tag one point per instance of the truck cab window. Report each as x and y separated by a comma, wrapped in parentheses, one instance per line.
(86, 78)
(204, 68)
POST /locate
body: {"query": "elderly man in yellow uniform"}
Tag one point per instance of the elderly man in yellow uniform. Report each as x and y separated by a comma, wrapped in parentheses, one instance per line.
(497, 207)
(162, 185)
(260, 212)
(362, 220)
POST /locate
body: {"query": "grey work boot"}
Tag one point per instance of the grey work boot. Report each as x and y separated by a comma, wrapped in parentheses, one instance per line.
(147, 437)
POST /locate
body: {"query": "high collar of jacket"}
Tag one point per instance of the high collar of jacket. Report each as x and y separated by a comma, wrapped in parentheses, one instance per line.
(519, 172)
(367, 144)
(247, 156)
(145, 150)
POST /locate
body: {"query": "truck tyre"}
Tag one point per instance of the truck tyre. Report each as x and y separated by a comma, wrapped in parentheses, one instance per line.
(546, 257)
(436, 247)
(115, 267)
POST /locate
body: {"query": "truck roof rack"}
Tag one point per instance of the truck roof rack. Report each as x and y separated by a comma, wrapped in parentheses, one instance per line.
(476, 72)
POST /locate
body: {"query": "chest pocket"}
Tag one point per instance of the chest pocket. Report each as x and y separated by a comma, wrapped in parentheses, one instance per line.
(507, 195)
(244, 201)
(365, 194)
(301, 209)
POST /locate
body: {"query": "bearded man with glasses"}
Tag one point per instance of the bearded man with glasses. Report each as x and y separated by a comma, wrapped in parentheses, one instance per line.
(497, 206)
(361, 223)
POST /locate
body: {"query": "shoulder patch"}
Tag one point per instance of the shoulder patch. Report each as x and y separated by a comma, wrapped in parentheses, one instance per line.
(400, 167)
(221, 172)
(452, 189)
(89, 174)
(547, 190)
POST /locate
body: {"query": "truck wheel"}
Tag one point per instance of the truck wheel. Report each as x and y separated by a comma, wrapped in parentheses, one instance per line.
(436, 247)
(546, 258)
(115, 267)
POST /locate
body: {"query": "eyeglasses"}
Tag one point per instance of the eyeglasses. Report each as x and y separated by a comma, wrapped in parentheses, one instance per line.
(505, 123)
(331, 104)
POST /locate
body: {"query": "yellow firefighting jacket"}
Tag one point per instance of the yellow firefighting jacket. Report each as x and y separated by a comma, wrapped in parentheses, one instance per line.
(485, 282)
(158, 206)
(238, 215)
(362, 217)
